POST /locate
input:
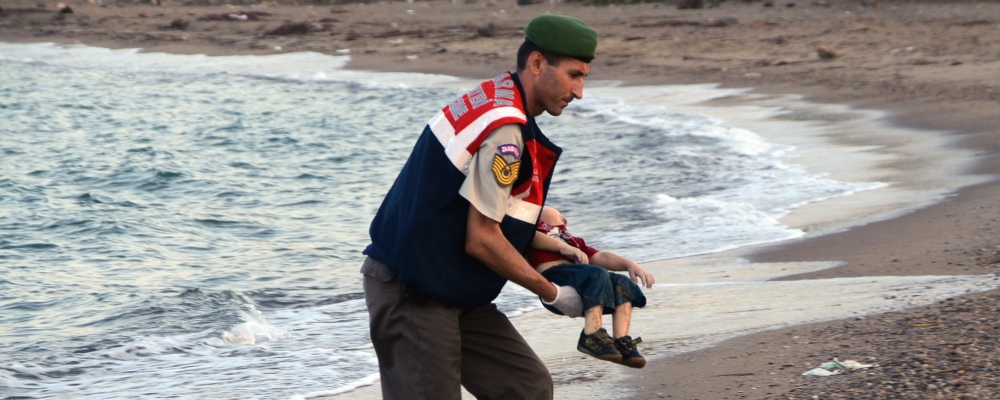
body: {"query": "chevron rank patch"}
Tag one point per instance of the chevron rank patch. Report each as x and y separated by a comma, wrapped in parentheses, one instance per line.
(505, 172)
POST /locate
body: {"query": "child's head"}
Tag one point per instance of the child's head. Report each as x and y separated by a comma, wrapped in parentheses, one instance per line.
(552, 217)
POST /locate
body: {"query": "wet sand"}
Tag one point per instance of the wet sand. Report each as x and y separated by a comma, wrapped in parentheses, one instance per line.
(932, 65)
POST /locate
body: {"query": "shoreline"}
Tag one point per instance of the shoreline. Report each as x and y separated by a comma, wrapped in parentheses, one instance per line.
(929, 92)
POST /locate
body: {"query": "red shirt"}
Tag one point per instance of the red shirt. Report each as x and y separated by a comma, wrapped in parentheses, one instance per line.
(539, 257)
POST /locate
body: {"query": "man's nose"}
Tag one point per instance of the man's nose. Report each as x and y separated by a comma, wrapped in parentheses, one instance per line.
(577, 90)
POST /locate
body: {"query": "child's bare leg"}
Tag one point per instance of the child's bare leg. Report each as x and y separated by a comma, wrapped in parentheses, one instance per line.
(621, 319)
(592, 319)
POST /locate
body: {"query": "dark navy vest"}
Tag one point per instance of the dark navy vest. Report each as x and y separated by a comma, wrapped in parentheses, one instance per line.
(419, 230)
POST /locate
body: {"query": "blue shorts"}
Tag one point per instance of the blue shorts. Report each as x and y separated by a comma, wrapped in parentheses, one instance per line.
(597, 286)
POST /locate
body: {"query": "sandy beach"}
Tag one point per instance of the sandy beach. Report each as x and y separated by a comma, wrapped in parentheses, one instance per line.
(931, 64)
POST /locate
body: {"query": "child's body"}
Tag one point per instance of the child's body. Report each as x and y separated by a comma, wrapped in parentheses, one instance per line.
(566, 260)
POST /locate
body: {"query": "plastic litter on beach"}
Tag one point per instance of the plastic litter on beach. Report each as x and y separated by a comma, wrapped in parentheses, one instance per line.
(836, 367)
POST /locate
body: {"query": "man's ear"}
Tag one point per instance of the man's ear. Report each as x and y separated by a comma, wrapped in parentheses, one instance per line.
(536, 62)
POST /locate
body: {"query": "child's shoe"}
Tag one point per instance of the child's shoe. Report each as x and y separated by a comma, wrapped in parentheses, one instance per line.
(630, 354)
(600, 345)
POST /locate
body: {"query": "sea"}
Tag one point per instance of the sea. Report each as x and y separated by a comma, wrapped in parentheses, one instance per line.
(189, 226)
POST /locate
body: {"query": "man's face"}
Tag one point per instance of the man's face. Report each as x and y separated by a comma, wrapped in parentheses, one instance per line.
(560, 84)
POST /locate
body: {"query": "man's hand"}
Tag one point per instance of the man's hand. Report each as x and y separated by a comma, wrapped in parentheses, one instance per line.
(567, 301)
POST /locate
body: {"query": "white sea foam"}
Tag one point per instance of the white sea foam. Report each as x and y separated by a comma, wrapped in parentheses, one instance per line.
(723, 226)
(366, 381)
(252, 333)
(300, 66)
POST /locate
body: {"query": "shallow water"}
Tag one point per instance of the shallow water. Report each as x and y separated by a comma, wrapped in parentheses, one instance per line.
(191, 226)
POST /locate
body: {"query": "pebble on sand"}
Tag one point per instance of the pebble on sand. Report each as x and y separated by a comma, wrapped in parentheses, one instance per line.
(826, 51)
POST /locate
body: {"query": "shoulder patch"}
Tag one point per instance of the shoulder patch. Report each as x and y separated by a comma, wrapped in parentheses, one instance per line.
(505, 172)
(509, 149)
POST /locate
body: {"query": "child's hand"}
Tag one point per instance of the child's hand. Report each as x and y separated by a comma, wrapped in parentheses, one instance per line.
(638, 273)
(574, 254)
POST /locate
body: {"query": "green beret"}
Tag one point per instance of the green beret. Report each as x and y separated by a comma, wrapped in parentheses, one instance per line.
(562, 35)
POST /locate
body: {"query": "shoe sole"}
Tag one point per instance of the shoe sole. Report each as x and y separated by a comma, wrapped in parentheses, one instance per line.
(611, 357)
(634, 362)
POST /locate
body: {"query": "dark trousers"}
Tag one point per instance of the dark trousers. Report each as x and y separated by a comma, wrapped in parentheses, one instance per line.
(427, 350)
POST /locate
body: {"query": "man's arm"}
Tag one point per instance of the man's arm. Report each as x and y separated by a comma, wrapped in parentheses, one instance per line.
(486, 243)
(487, 188)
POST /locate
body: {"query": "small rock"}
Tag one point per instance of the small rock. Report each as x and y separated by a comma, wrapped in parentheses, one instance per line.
(488, 30)
(178, 24)
(291, 28)
(826, 51)
(901, 50)
(690, 4)
(722, 22)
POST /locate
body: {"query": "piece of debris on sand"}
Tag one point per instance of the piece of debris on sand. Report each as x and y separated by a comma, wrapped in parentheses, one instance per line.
(826, 51)
(240, 16)
(291, 28)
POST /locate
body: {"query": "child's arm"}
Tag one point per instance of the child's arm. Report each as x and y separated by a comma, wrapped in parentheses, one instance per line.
(546, 243)
(613, 262)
